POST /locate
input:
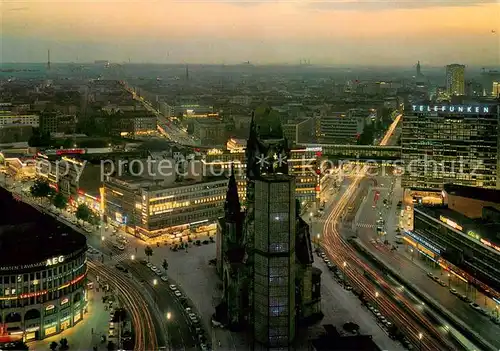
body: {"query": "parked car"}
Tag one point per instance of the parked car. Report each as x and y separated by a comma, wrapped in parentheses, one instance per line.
(475, 306)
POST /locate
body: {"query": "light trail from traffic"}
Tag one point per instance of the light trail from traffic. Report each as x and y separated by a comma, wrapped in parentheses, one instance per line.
(345, 257)
(144, 331)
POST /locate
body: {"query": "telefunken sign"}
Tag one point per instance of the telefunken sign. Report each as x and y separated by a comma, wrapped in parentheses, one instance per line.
(451, 108)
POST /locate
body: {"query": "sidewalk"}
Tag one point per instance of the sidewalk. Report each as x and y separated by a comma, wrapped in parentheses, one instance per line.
(80, 337)
(453, 282)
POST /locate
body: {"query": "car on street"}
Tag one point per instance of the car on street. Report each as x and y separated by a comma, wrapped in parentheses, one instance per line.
(149, 265)
(173, 287)
(164, 278)
(442, 283)
(177, 293)
(464, 298)
(454, 292)
(475, 306)
(121, 268)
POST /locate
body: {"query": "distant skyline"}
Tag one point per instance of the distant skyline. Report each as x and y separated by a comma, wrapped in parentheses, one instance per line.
(343, 32)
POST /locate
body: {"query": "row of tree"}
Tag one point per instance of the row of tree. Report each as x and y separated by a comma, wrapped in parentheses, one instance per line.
(148, 251)
(42, 190)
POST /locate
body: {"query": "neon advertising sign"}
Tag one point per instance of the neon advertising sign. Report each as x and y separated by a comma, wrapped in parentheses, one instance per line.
(451, 108)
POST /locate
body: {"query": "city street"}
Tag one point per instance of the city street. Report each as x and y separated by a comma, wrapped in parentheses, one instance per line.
(411, 267)
(340, 306)
(181, 332)
(169, 129)
(389, 301)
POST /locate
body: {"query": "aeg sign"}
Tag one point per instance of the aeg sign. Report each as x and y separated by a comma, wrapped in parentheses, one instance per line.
(54, 260)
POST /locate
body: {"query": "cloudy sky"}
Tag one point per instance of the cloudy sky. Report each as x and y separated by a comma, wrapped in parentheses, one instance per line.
(375, 32)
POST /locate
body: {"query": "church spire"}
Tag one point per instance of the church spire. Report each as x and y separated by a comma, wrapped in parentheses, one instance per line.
(232, 205)
(253, 128)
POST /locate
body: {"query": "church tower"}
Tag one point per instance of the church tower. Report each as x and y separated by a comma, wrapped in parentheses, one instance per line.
(232, 215)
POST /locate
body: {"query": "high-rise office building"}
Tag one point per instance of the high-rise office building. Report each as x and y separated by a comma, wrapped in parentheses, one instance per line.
(451, 144)
(496, 89)
(455, 79)
(274, 260)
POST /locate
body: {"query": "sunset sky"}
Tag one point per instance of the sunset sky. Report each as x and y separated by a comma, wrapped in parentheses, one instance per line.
(378, 32)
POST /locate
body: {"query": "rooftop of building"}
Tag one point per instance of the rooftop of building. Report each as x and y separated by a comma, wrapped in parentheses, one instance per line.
(154, 185)
(276, 177)
(482, 194)
(479, 227)
(208, 121)
(29, 237)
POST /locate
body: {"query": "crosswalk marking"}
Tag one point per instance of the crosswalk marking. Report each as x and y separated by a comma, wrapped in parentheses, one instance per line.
(114, 257)
(365, 225)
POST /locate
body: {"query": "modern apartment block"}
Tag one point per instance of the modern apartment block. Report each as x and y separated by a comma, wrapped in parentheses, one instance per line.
(451, 144)
(300, 131)
(342, 127)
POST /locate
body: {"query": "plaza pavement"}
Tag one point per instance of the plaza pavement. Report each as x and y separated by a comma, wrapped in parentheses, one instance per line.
(198, 280)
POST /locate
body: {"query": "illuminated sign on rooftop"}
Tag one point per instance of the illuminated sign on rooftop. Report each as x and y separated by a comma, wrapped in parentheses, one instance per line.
(451, 108)
(450, 223)
(422, 241)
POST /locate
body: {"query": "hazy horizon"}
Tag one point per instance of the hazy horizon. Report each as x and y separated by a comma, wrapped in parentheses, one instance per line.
(332, 33)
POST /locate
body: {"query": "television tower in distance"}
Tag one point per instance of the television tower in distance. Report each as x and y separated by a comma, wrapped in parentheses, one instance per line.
(187, 72)
(48, 59)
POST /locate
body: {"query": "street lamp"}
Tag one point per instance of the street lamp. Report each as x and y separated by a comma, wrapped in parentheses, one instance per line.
(169, 315)
(344, 264)
(449, 280)
(155, 282)
(420, 336)
(102, 237)
(132, 257)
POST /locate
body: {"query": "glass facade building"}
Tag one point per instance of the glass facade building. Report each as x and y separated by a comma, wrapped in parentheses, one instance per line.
(450, 144)
(274, 260)
(164, 212)
(448, 237)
